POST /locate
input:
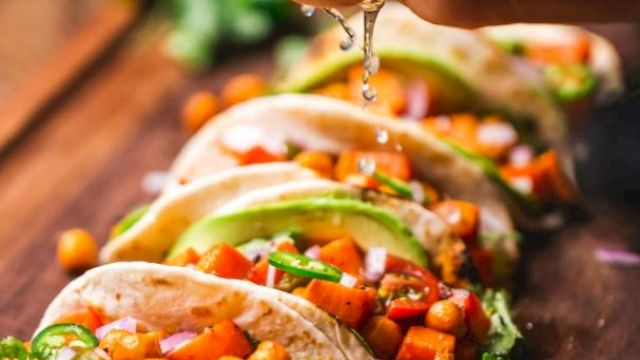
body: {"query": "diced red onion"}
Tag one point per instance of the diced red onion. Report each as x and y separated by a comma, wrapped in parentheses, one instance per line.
(443, 123)
(617, 257)
(271, 276)
(66, 353)
(313, 252)
(524, 184)
(500, 134)
(521, 156)
(417, 191)
(375, 264)
(168, 344)
(127, 324)
(417, 100)
(459, 296)
(348, 280)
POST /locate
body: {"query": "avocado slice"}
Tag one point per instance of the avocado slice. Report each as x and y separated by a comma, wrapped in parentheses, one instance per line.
(318, 219)
(128, 221)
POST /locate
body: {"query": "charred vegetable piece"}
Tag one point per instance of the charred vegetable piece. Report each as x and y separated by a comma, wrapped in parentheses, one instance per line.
(304, 266)
(222, 339)
(225, 261)
(87, 317)
(54, 337)
(463, 217)
(343, 254)
(124, 345)
(383, 335)
(426, 344)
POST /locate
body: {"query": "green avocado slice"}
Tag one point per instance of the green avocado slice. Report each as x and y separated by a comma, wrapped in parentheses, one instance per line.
(320, 219)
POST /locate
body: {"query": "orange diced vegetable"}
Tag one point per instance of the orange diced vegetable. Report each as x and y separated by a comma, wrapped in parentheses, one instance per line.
(268, 350)
(318, 161)
(391, 95)
(463, 217)
(422, 343)
(123, 345)
(258, 273)
(350, 305)
(258, 155)
(242, 88)
(445, 316)
(336, 90)
(577, 51)
(86, 317)
(222, 339)
(483, 261)
(383, 335)
(477, 321)
(344, 255)
(77, 250)
(392, 164)
(225, 261)
(199, 108)
(187, 257)
(543, 179)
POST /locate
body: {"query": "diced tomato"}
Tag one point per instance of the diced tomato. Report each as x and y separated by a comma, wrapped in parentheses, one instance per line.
(87, 317)
(577, 51)
(463, 217)
(352, 306)
(258, 273)
(383, 335)
(344, 255)
(400, 266)
(543, 179)
(483, 261)
(258, 155)
(187, 257)
(222, 339)
(225, 261)
(477, 321)
(391, 98)
(389, 163)
(421, 343)
(400, 309)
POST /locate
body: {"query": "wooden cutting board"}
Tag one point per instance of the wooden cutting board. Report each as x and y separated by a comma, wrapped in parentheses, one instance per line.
(82, 165)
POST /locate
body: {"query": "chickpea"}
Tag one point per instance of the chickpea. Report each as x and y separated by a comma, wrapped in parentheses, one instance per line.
(242, 88)
(77, 250)
(123, 345)
(268, 350)
(317, 161)
(199, 108)
(445, 316)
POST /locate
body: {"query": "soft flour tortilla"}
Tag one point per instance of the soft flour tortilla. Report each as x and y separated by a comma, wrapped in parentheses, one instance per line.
(445, 249)
(323, 124)
(163, 297)
(604, 59)
(151, 237)
(461, 64)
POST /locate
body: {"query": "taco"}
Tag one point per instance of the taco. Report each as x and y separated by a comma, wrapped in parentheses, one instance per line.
(576, 64)
(140, 310)
(457, 85)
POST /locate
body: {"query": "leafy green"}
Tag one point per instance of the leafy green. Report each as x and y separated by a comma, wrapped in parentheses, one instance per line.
(505, 340)
(14, 349)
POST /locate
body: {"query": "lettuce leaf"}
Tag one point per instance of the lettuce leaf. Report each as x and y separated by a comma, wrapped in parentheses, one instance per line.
(505, 340)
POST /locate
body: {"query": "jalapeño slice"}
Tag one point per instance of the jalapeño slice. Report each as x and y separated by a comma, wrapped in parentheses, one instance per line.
(570, 82)
(398, 186)
(304, 266)
(54, 337)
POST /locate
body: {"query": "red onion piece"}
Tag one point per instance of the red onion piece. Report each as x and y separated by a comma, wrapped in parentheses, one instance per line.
(127, 324)
(313, 252)
(66, 353)
(169, 343)
(271, 276)
(617, 257)
(375, 264)
(497, 134)
(459, 296)
(348, 281)
(417, 100)
(521, 156)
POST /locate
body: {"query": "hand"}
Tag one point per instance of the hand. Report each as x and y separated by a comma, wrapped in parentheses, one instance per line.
(474, 13)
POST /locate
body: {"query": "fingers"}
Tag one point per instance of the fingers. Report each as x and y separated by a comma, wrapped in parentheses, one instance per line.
(328, 3)
(464, 13)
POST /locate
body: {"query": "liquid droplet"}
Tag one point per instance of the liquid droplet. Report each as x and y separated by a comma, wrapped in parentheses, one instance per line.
(374, 65)
(367, 165)
(529, 326)
(369, 93)
(307, 10)
(382, 136)
(346, 44)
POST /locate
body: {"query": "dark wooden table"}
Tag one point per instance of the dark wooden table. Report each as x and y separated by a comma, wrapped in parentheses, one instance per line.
(81, 165)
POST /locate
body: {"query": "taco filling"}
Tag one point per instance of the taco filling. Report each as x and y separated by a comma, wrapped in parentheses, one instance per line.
(376, 284)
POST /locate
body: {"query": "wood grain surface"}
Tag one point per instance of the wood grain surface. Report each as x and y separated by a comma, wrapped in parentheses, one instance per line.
(83, 165)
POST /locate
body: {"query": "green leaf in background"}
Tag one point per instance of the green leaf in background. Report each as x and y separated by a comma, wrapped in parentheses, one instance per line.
(289, 51)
